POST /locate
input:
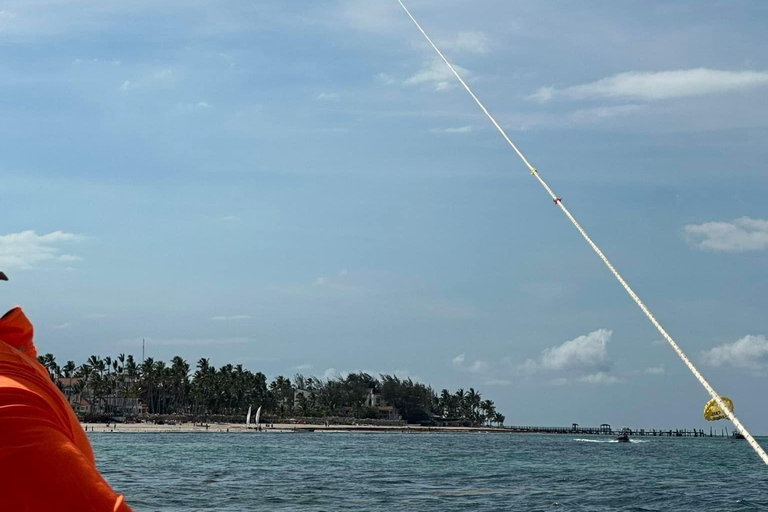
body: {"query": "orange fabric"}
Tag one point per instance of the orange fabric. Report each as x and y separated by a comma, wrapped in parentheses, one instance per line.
(46, 462)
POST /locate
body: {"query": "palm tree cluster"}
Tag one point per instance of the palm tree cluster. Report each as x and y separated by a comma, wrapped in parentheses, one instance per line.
(468, 405)
(230, 390)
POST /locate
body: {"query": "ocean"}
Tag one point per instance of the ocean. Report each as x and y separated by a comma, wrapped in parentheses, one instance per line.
(310, 472)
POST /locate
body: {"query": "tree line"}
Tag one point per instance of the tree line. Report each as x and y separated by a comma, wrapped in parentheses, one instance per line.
(229, 390)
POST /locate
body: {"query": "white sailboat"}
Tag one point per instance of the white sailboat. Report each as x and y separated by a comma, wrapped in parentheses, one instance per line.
(248, 419)
(258, 414)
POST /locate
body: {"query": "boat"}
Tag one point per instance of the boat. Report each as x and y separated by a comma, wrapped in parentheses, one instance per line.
(623, 435)
(737, 435)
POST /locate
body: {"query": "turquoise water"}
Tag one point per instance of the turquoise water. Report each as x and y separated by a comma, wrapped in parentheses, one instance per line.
(428, 472)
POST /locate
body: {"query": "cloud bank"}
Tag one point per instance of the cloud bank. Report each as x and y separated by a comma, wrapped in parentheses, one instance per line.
(658, 85)
(468, 42)
(740, 235)
(438, 76)
(26, 249)
(585, 352)
(750, 352)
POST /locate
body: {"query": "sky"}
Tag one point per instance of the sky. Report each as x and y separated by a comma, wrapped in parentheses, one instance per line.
(302, 187)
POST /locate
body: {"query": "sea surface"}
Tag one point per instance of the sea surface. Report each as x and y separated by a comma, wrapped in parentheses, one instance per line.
(188, 472)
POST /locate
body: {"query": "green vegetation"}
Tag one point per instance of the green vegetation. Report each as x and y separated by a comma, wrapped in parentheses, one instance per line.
(123, 387)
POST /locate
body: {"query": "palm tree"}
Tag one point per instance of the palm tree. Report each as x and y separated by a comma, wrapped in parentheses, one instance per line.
(131, 368)
(148, 383)
(489, 410)
(473, 403)
(446, 402)
(68, 370)
(230, 390)
(86, 372)
(49, 363)
(180, 377)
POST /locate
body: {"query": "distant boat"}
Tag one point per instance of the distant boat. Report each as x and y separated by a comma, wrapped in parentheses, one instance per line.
(258, 415)
(248, 418)
(737, 435)
(623, 436)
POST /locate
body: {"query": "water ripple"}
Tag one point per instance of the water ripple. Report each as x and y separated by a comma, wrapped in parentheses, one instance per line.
(446, 472)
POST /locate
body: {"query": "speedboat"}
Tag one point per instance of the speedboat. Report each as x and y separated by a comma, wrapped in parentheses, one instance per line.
(738, 435)
(623, 436)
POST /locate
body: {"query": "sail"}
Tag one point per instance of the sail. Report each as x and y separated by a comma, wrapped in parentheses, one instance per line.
(248, 418)
(713, 412)
(258, 413)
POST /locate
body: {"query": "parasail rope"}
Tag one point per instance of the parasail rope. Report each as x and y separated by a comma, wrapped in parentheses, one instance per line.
(602, 256)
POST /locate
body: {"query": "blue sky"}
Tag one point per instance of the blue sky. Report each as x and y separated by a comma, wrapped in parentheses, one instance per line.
(301, 186)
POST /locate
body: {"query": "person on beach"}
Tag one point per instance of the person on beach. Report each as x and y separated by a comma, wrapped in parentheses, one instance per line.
(46, 461)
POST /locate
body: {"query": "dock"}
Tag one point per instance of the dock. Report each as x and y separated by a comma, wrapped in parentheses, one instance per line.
(606, 430)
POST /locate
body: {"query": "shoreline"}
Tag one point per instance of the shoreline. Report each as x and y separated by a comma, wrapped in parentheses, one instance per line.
(292, 428)
(144, 428)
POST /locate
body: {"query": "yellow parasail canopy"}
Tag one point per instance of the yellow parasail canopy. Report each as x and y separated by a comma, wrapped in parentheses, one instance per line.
(713, 412)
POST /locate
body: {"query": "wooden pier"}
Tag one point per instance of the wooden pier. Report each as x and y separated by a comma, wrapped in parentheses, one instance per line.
(606, 430)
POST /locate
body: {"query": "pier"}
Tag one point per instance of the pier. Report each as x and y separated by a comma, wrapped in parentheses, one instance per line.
(606, 430)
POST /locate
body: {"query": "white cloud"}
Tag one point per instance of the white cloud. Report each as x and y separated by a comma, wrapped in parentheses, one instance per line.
(438, 76)
(230, 218)
(367, 16)
(498, 382)
(478, 366)
(600, 378)
(591, 115)
(542, 94)
(163, 75)
(332, 373)
(470, 42)
(62, 326)
(303, 367)
(658, 85)
(69, 257)
(320, 281)
(327, 96)
(192, 107)
(230, 318)
(25, 249)
(385, 79)
(584, 352)
(655, 370)
(750, 352)
(461, 129)
(158, 78)
(740, 235)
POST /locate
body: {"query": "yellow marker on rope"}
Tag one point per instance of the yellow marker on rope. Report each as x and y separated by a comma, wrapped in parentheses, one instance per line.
(719, 401)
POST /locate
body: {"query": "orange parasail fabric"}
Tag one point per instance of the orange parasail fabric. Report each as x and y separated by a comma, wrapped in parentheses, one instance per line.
(46, 462)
